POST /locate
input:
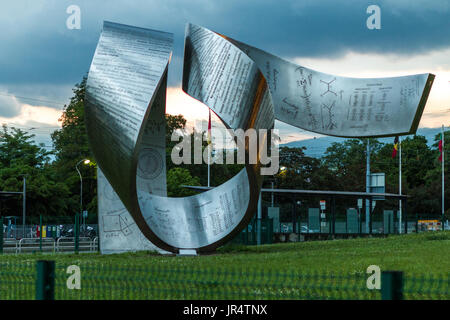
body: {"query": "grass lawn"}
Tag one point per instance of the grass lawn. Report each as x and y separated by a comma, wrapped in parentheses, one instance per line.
(418, 255)
(414, 253)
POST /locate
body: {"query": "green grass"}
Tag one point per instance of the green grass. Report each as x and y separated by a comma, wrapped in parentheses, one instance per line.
(416, 253)
(276, 268)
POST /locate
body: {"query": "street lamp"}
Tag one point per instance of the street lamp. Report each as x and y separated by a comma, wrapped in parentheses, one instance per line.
(24, 201)
(85, 161)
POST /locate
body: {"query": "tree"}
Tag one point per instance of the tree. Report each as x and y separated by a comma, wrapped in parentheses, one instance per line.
(417, 158)
(433, 177)
(71, 142)
(176, 177)
(347, 160)
(71, 146)
(19, 157)
(173, 123)
(16, 148)
(299, 171)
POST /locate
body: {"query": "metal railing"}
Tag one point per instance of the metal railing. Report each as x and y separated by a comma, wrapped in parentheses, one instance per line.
(63, 244)
(36, 244)
(10, 246)
(95, 245)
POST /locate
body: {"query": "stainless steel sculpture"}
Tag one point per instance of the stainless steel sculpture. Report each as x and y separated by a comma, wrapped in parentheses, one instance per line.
(246, 88)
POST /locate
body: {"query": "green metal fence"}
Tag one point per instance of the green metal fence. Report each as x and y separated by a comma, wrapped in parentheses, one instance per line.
(109, 281)
(426, 287)
(249, 236)
(50, 234)
(18, 281)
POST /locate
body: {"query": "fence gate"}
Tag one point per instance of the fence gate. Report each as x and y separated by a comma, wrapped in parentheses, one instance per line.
(314, 219)
(388, 221)
(352, 221)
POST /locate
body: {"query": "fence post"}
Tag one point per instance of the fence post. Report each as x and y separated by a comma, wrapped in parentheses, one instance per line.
(1, 235)
(98, 241)
(370, 215)
(76, 231)
(360, 221)
(406, 215)
(389, 225)
(246, 235)
(45, 282)
(40, 232)
(270, 231)
(392, 285)
(253, 233)
(333, 214)
(417, 223)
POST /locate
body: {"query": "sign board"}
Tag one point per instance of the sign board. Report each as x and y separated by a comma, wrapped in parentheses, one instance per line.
(85, 214)
(322, 216)
(274, 213)
(360, 203)
(377, 184)
(322, 204)
(429, 225)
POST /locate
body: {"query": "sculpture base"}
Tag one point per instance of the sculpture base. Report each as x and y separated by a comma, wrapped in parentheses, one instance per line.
(187, 252)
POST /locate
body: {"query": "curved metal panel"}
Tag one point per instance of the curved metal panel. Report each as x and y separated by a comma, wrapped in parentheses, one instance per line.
(342, 106)
(247, 89)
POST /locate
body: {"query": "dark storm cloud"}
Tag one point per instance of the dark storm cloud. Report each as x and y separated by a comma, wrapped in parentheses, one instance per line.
(36, 46)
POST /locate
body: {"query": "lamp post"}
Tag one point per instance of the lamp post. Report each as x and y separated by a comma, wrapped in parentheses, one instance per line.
(24, 202)
(86, 161)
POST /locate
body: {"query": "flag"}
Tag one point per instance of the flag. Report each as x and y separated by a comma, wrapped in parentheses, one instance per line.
(209, 128)
(394, 151)
(440, 150)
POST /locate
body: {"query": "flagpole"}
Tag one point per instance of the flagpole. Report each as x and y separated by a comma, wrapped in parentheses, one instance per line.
(209, 168)
(209, 149)
(368, 213)
(400, 185)
(443, 183)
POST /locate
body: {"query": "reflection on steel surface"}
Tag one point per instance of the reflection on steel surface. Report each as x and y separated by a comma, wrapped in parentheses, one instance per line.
(246, 88)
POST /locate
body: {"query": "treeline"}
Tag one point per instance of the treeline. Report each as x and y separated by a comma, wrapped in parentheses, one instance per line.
(53, 184)
(342, 167)
(52, 181)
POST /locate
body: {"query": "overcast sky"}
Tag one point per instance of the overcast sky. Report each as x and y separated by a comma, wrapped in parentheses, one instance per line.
(41, 59)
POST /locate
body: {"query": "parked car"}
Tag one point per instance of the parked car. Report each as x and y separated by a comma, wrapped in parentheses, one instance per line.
(305, 229)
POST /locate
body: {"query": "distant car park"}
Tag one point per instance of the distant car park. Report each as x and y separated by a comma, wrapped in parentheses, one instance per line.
(306, 230)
